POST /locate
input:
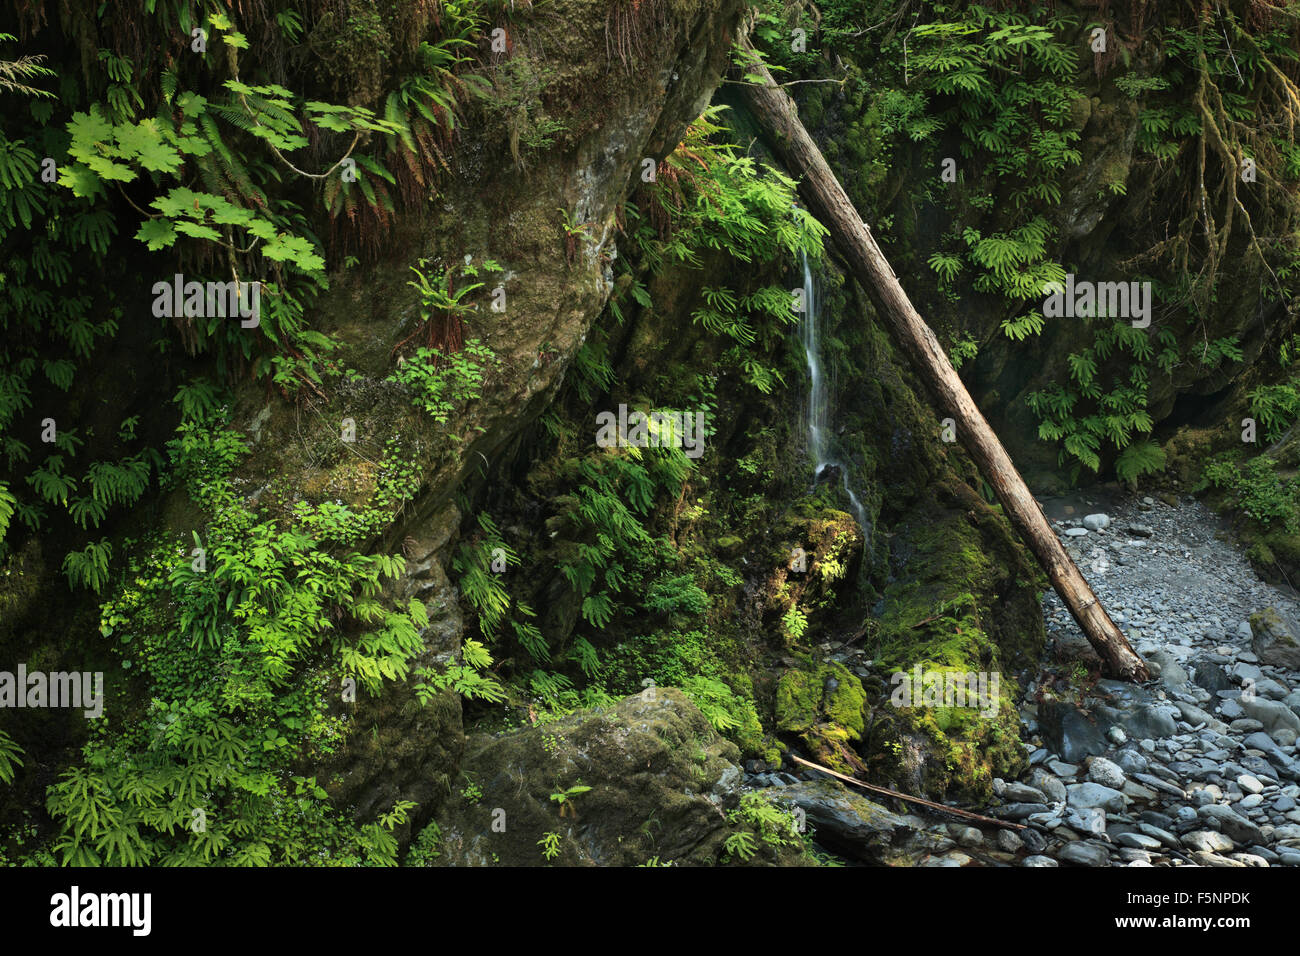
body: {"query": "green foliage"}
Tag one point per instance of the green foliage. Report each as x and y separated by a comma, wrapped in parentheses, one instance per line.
(1256, 489)
(764, 823)
(9, 757)
(424, 849)
(13, 73)
(731, 714)
(1013, 261)
(1276, 407)
(550, 844)
(677, 595)
(794, 622)
(467, 678)
(89, 568)
(237, 654)
(740, 845)
(437, 295)
(443, 383)
(1099, 407)
(1138, 459)
(617, 489)
(564, 796)
(706, 197)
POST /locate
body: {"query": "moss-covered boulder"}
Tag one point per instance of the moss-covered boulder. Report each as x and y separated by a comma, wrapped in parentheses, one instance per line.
(823, 705)
(660, 784)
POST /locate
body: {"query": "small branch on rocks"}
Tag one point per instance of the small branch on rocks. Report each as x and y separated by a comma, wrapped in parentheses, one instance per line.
(964, 814)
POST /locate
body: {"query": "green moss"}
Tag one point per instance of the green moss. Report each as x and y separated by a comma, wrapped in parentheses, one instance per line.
(822, 693)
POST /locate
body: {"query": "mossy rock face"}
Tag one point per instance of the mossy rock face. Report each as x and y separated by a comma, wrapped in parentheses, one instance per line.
(949, 751)
(965, 599)
(816, 547)
(823, 704)
(825, 692)
(661, 783)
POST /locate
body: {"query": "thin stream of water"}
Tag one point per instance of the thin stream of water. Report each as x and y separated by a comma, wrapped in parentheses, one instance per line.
(817, 417)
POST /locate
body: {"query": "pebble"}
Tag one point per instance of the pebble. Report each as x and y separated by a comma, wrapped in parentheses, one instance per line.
(1249, 784)
(1139, 841)
(1106, 773)
(1008, 841)
(1084, 853)
(1209, 841)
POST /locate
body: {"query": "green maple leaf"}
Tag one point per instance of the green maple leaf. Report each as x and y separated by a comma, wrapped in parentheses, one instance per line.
(144, 142)
(197, 230)
(284, 248)
(105, 168)
(80, 180)
(87, 129)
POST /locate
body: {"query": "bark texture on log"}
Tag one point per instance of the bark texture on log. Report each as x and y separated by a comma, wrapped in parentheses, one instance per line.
(826, 199)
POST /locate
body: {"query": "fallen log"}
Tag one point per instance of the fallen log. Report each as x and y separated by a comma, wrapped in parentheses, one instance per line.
(776, 115)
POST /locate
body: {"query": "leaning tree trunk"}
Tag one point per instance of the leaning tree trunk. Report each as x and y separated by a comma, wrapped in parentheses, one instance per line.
(776, 115)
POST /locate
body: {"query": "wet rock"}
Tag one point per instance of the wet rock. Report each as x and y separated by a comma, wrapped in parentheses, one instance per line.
(1172, 673)
(1069, 732)
(1233, 824)
(1022, 793)
(1231, 710)
(1049, 785)
(1086, 820)
(1135, 791)
(1008, 841)
(1271, 713)
(1204, 858)
(1084, 853)
(1019, 811)
(1130, 761)
(1207, 841)
(1090, 795)
(1034, 841)
(859, 827)
(1138, 841)
(1062, 769)
(1212, 677)
(1271, 689)
(1160, 835)
(1195, 716)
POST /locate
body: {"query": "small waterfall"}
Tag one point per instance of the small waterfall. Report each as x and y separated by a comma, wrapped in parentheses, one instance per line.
(817, 418)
